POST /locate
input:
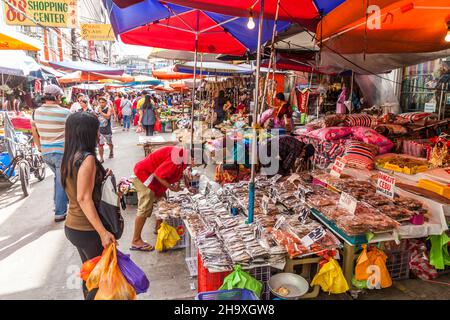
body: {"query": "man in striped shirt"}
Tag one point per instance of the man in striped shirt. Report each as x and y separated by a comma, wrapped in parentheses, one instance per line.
(48, 126)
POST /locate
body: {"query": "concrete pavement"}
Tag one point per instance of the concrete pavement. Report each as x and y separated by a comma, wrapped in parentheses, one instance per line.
(38, 262)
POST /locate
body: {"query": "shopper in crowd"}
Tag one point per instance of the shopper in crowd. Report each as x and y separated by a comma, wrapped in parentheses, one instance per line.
(82, 176)
(134, 102)
(219, 103)
(118, 108)
(141, 101)
(83, 105)
(169, 100)
(104, 113)
(147, 116)
(161, 170)
(126, 112)
(76, 106)
(47, 126)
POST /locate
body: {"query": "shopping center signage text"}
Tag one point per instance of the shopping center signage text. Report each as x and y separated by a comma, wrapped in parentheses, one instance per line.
(50, 13)
(97, 32)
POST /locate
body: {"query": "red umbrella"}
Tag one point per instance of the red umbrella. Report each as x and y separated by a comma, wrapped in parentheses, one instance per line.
(126, 3)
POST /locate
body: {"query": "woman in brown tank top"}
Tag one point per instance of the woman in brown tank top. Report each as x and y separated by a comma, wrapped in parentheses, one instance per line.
(82, 176)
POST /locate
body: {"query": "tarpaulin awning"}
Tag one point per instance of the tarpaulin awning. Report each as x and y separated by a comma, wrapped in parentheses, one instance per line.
(405, 26)
(81, 76)
(179, 86)
(305, 12)
(407, 32)
(85, 66)
(89, 86)
(212, 68)
(17, 63)
(155, 24)
(168, 73)
(11, 40)
(126, 3)
(180, 55)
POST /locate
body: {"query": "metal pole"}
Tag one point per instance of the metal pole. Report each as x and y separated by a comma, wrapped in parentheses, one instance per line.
(351, 92)
(251, 187)
(3, 95)
(193, 88)
(440, 103)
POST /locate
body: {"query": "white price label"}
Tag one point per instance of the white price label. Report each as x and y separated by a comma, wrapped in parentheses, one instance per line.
(279, 222)
(303, 215)
(337, 168)
(313, 236)
(275, 178)
(293, 178)
(265, 204)
(347, 202)
(386, 185)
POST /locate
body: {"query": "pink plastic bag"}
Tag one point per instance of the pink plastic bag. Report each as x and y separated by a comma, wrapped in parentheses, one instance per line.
(331, 133)
(370, 136)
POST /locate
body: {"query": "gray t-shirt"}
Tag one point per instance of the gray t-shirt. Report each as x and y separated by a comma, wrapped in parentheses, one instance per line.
(126, 107)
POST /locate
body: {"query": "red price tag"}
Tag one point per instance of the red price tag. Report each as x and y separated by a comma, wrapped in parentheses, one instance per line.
(337, 168)
(386, 185)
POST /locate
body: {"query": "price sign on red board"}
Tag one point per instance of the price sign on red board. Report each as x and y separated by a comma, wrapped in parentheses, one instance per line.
(386, 185)
(337, 168)
(347, 202)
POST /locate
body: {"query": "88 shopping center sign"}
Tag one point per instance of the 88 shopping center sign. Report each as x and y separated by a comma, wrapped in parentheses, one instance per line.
(49, 13)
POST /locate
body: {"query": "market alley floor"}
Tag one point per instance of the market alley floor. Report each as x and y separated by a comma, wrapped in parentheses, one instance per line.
(37, 262)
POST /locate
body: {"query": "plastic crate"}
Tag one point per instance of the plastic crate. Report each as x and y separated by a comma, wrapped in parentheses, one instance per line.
(131, 198)
(263, 275)
(234, 294)
(397, 262)
(178, 224)
(208, 281)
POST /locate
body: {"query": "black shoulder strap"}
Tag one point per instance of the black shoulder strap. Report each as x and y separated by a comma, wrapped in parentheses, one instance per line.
(82, 157)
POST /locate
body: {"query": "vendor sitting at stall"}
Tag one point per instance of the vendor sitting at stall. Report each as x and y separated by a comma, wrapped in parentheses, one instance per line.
(280, 116)
(288, 150)
(160, 170)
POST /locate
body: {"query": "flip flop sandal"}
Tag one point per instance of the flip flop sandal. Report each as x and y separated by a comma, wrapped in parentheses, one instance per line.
(111, 155)
(145, 247)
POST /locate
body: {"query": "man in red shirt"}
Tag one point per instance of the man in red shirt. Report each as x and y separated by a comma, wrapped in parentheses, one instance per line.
(118, 107)
(159, 171)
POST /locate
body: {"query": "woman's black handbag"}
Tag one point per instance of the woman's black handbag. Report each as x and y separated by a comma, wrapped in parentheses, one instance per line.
(109, 208)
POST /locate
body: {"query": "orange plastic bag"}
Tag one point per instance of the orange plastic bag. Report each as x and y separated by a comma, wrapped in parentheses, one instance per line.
(88, 266)
(371, 266)
(107, 277)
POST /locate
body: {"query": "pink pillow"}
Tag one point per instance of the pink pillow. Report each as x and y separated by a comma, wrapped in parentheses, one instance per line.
(331, 133)
(370, 136)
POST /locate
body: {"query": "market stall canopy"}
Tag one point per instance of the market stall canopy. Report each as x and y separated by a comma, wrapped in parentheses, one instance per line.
(180, 55)
(305, 12)
(179, 86)
(168, 73)
(89, 86)
(407, 32)
(52, 71)
(11, 40)
(82, 76)
(17, 63)
(156, 24)
(144, 80)
(126, 3)
(302, 62)
(302, 41)
(163, 88)
(86, 66)
(213, 68)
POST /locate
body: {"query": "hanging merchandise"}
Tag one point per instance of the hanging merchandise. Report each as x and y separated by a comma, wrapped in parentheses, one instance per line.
(108, 278)
(167, 237)
(241, 280)
(330, 278)
(439, 257)
(419, 263)
(371, 267)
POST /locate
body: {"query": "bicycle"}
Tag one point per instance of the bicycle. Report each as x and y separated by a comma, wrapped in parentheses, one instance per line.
(25, 160)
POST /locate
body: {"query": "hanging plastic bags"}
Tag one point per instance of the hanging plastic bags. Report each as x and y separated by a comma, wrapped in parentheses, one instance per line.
(371, 267)
(108, 278)
(88, 266)
(241, 280)
(134, 275)
(439, 257)
(167, 237)
(330, 278)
